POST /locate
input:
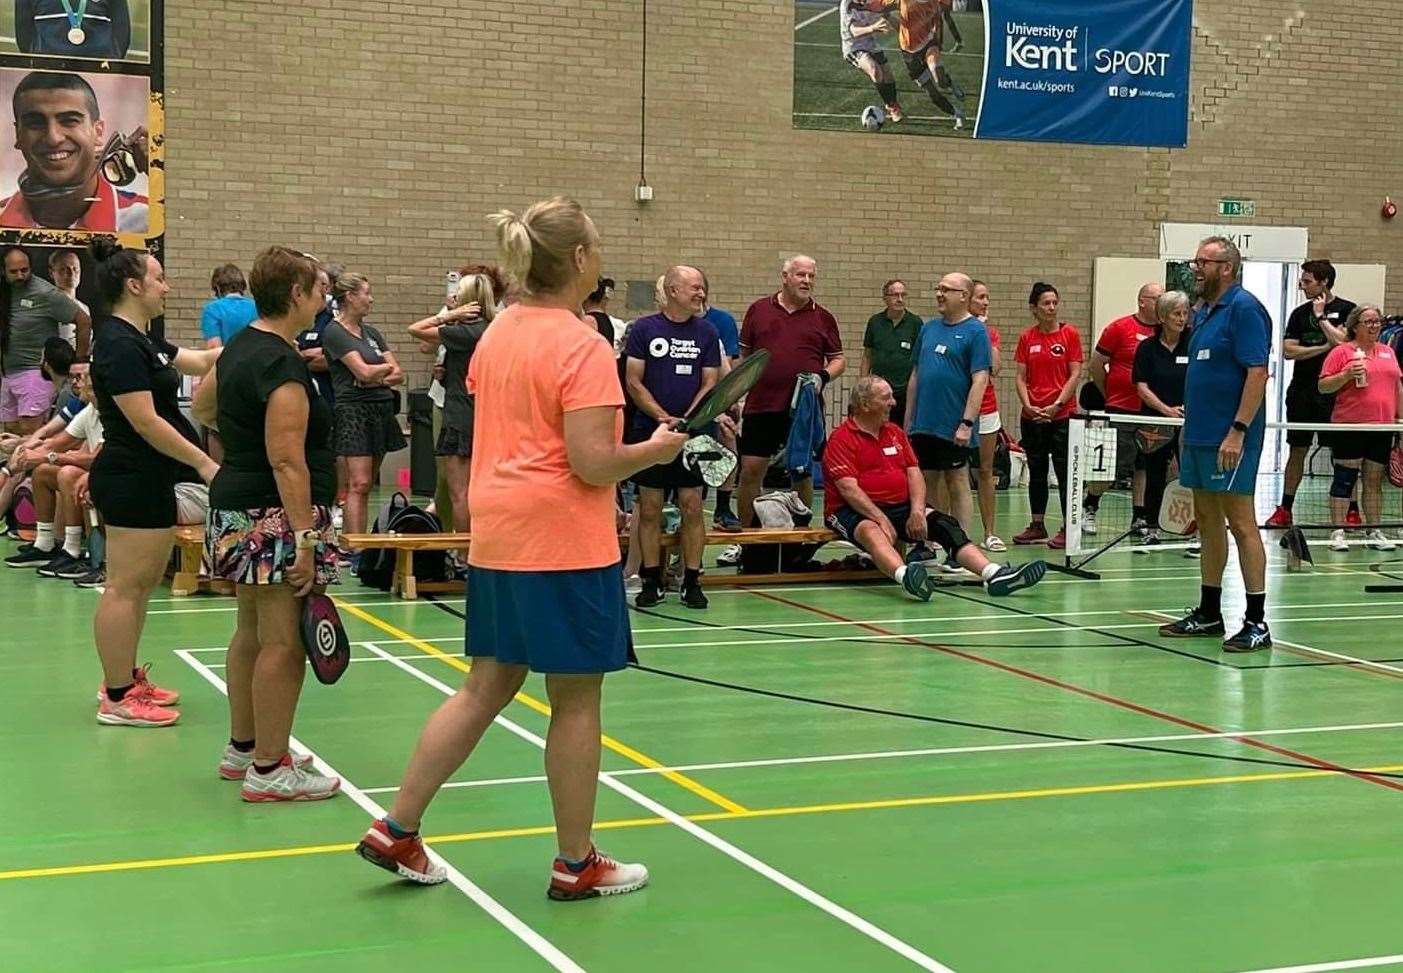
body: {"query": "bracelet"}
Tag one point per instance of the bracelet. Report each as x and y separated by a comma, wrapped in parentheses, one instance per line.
(307, 540)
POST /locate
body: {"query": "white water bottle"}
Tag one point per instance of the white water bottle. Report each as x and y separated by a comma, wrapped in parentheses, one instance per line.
(1361, 380)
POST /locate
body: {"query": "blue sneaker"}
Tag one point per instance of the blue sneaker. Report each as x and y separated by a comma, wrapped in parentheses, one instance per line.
(1013, 577)
(916, 581)
(1253, 636)
(727, 522)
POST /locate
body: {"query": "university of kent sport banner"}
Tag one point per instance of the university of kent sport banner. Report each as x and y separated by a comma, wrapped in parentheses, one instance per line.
(1110, 72)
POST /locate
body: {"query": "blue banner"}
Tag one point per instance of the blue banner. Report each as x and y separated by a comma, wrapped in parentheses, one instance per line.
(1114, 72)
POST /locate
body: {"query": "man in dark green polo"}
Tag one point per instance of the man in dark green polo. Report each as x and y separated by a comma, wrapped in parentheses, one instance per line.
(890, 342)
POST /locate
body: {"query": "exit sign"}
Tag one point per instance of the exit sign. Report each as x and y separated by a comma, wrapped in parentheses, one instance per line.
(1237, 207)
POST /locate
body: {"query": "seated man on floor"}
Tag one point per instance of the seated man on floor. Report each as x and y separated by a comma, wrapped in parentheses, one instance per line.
(875, 497)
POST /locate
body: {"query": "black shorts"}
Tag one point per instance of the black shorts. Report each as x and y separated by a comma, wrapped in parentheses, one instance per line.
(1371, 446)
(764, 433)
(1044, 438)
(935, 453)
(940, 528)
(916, 63)
(1128, 455)
(138, 501)
(1305, 405)
(855, 58)
(668, 476)
(453, 441)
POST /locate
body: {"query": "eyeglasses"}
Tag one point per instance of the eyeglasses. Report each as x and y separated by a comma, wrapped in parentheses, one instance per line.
(1197, 264)
(951, 290)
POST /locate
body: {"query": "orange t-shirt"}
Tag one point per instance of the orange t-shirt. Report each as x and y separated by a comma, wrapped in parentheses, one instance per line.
(530, 511)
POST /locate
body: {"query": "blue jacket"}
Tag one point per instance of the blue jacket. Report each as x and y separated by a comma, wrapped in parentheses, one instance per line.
(806, 430)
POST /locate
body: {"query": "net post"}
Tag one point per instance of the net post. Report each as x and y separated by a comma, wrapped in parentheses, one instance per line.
(1075, 487)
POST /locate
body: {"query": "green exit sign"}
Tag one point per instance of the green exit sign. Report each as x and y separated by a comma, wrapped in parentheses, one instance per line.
(1237, 207)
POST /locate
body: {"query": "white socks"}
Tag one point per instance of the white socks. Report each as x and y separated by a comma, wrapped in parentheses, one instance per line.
(73, 541)
(990, 570)
(900, 575)
(44, 536)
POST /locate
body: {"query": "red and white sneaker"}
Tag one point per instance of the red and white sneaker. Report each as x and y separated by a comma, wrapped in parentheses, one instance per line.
(1059, 540)
(894, 112)
(1352, 519)
(405, 857)
(601, 875)
(136, 708)
(141, 681)
(1034, 533)
(1281, 517)
(287, 782)
(234, 763)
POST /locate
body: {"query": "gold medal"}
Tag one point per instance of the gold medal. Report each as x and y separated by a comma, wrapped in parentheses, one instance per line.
(76, 36)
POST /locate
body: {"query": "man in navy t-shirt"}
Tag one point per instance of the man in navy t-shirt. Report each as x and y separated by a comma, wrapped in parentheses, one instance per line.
(952, 361)
(672, 359)
(1224, 430)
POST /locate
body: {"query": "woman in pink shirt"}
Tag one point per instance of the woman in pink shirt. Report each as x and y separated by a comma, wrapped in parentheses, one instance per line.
(1363, 375)
(547, 592)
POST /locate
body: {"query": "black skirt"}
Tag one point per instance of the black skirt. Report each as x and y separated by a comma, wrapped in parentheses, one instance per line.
(367, 429)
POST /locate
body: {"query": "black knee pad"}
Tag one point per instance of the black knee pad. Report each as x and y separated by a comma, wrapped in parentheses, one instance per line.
(1342, 486)
(945, 531)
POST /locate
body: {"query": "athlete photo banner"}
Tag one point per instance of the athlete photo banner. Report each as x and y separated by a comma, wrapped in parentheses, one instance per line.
(1114, 72)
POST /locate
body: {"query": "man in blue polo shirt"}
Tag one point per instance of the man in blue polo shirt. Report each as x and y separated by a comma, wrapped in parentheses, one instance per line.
(1224, 430)
(953, 357)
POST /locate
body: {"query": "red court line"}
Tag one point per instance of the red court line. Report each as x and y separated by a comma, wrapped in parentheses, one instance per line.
(1082, 691)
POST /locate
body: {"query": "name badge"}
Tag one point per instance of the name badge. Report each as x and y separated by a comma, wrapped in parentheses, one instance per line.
(890, 450)
(906, 346)
(1141, 337)
(940, 349)
(1204, 354)
(1034, 349)
(1182, 361)
(160, 357)
(25, 302)
(684, 369)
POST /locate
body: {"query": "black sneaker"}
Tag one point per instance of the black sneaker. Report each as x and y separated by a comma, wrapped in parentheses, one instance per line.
(1252, 636)
(1193, 624)
(1011, 578)
(28, 556)
(80, 567)
(1139, 527)
(694, 597)
(60, 560)
(95, 578)
(916, 581)
(649, 596)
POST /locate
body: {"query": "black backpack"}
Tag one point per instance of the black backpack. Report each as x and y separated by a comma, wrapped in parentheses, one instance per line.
(399, 516)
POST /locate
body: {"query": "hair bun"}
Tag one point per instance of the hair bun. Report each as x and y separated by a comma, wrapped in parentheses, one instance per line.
(104, 248)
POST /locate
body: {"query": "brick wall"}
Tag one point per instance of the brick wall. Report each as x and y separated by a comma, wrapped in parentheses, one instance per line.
(379, 133)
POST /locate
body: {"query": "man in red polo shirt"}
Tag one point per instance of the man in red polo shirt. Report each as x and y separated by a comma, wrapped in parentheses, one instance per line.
(875, 497)
(1111, 365)
(801, 336)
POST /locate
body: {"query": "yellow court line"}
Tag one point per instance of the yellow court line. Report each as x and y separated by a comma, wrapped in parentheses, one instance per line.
(774, 812)
(622, 749)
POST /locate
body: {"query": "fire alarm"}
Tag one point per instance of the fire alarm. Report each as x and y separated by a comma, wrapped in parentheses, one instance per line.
(1390, 209)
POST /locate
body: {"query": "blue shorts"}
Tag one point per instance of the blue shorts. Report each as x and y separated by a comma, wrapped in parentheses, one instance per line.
(569, 622)
(1198, 470)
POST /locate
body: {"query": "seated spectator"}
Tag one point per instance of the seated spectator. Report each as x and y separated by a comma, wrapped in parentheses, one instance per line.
(1363, 375)
(55, 364)
(876, 497)
(60, 472)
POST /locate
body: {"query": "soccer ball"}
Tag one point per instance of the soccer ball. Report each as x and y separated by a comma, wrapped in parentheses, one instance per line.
(873, 117)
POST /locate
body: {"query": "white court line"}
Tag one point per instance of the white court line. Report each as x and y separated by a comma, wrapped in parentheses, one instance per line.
(1383, 666)
(538, 943)
(815, 18)
(928, 752)
(1344, 964)
(784, 881)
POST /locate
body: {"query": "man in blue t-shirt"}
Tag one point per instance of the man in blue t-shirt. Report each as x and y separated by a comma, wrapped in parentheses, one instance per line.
(232, 309)
(1224, 429)
(953, 357)
(672, 359)
(725, 324)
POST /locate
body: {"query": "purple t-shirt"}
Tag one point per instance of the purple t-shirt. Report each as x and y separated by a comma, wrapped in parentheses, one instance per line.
(673, 357)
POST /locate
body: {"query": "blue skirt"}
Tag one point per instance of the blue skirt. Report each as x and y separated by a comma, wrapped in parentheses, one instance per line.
(568, 622)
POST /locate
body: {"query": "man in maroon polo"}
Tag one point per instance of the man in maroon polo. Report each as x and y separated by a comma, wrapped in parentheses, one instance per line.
(801, 336)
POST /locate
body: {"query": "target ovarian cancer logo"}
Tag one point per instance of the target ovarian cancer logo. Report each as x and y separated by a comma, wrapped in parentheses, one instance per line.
(1063, 52)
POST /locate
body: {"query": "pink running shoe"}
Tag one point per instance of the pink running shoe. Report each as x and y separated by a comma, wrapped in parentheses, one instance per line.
(135, 709)
(141, 682)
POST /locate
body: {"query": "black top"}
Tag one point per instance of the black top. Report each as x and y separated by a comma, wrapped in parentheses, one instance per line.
(253, 364)
(459, 343)
(1302, 326)
(603, 325)
(312, 338)
(124, 360)
(337, 343)
(1164, 371)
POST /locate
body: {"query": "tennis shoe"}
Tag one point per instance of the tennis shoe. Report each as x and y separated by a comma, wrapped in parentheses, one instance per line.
(1034, 533)
(95, 578)
(29, 556)
(1251, 637)
(1059, 540)
(1088, 523)
(1379, 541)
(649, 595)
(1281, 517)
(59, 562)
(141, 682)
(135, 709)
(1194, 624)
(1338, 542)
(726, 522)
(1193, 552)
(694, 597)
(234, 763)
(287, 782)
(729, 558)
(1150, 538)
(79, 567)
(894, 112)
(916, 581)
(406, 857)
(1012, 578)
(601, 875)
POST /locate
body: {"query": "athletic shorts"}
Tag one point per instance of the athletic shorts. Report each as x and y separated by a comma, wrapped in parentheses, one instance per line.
(941, 528)
(1128, 456)
(1306, 406)
(1372, 446)
(1044, 438)
(856, 57)
(25, 394)
(668, 476)
(764, 433)
(990, 423)
(569, 622)
(1198, 470)
(936, 453)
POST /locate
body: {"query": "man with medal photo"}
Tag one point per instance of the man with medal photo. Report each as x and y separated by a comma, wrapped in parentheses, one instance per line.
(100, 29)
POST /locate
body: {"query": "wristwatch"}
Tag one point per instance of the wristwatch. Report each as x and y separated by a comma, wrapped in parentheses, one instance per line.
(307, 539)
(1239, 425)
(52, 458)
(967, 422)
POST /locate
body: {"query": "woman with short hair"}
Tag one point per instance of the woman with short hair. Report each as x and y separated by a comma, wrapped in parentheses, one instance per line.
(990, 423)
(546, 457)
(1364, 377)
(1159, 372)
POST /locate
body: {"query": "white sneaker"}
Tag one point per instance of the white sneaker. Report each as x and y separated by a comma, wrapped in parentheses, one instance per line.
(633, 584)
(234, 763)
(1088, 522)
(730, 557)
(994, 543)
(1379, 541)
(1338, 542)
(288, 782)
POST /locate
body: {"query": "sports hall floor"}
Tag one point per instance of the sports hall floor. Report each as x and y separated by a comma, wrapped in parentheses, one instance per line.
(970, 818)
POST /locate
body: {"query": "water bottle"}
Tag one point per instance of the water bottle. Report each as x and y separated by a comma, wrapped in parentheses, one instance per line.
(1362, 380)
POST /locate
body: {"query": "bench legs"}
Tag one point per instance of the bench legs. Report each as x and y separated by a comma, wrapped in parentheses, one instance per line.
(186, 580)
(404, 584)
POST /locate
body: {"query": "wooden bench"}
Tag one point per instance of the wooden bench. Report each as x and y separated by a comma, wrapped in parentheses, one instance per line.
(405, 585)
(190, 549)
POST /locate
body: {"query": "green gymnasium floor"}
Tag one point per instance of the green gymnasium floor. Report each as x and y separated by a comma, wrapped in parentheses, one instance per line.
(944, 833)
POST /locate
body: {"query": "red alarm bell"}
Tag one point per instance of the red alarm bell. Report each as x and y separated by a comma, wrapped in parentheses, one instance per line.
(1390, 209)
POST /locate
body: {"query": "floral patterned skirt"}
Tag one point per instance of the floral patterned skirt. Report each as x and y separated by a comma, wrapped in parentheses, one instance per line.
(257, 546)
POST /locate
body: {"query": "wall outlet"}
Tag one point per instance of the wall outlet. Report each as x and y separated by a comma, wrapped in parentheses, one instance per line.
(643, 193)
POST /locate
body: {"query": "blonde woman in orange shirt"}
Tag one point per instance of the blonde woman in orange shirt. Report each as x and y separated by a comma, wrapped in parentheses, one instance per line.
(544, 573)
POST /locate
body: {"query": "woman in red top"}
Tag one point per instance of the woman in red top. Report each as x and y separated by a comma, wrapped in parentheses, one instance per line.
(1049, 358)
(990, 422)
(547, 589)
(1363, 375)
